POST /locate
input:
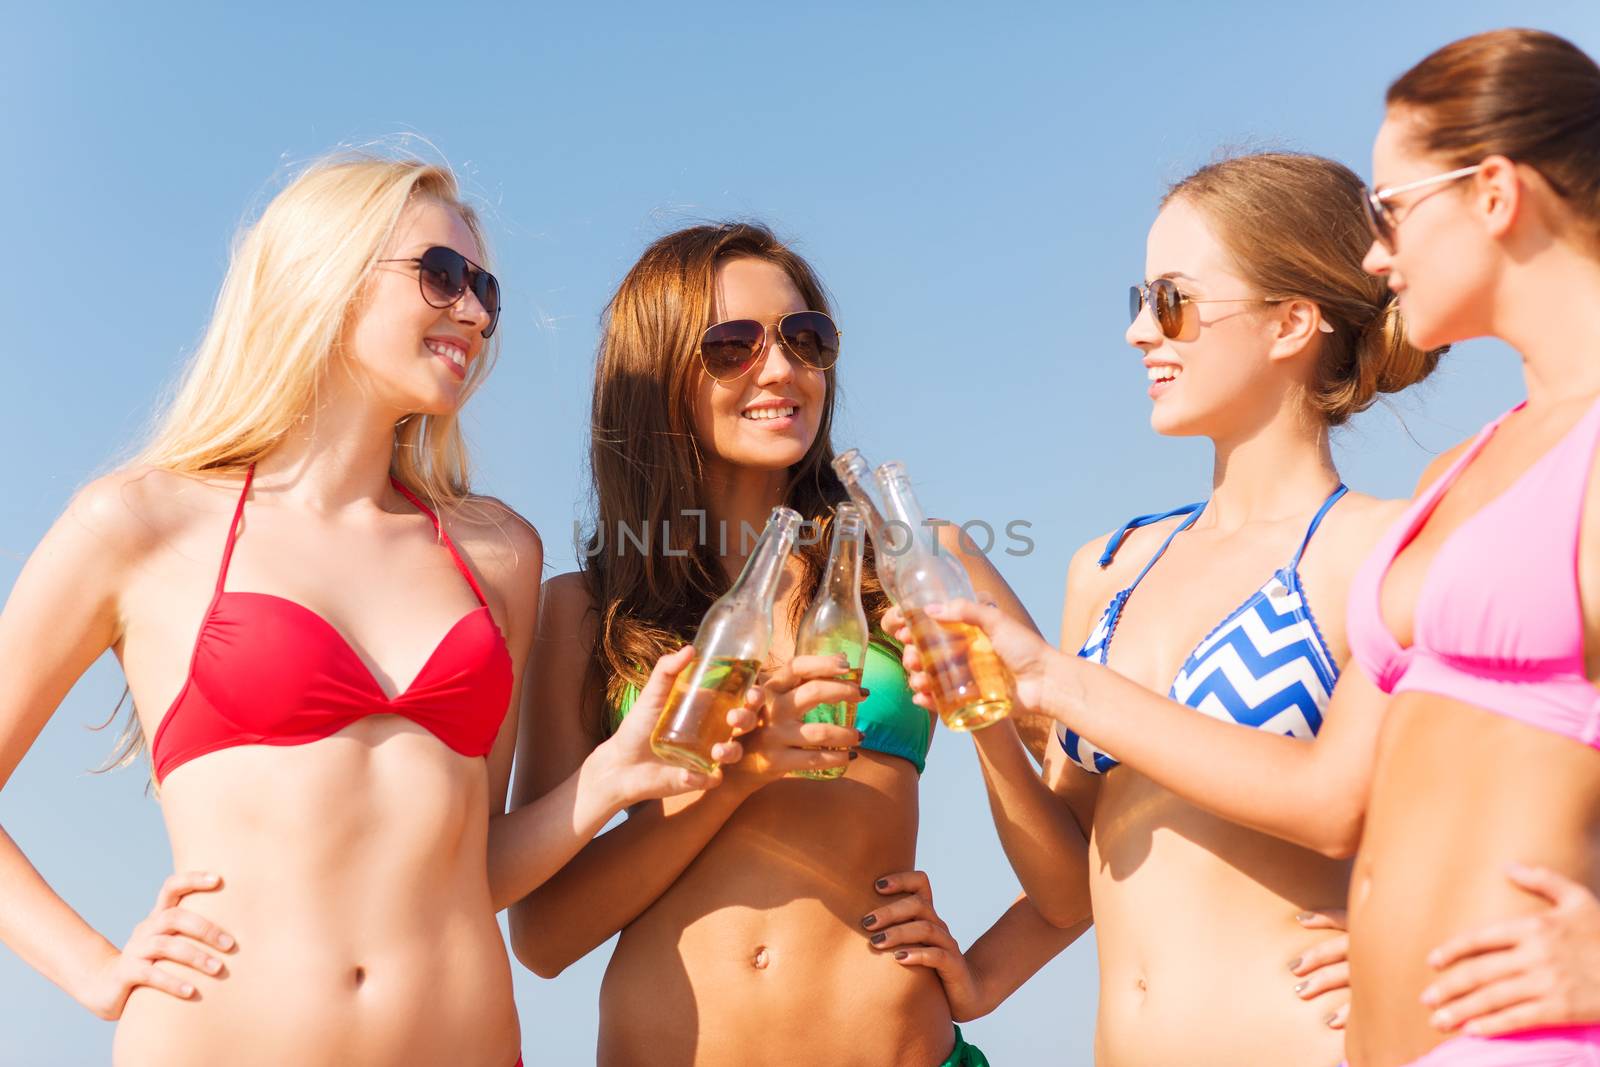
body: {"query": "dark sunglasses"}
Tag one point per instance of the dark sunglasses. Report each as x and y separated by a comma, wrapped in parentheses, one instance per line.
(1167, 300)
(729, 349)
(1382, 218)
(444, 276)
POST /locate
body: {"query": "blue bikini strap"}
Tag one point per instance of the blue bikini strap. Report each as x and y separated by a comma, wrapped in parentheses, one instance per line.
(1145, 520)
(1333, 498)
(1191, 510)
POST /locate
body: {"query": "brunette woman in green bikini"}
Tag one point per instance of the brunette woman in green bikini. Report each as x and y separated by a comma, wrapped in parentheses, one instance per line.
(713, 402)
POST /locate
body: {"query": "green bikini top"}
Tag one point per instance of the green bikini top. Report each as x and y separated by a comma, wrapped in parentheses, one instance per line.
(891, 723)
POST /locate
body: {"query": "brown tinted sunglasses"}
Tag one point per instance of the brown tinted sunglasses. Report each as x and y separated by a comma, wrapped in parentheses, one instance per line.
(728, 350)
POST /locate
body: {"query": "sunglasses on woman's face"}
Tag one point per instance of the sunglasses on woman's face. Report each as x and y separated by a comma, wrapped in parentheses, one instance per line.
(728, 350)
(1167, 300)
(1382, 218)
(444, 276)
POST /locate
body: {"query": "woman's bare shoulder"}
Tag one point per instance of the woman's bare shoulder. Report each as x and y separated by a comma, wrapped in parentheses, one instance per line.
(136, 510)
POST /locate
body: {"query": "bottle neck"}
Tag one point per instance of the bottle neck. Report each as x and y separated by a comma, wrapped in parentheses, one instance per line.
(854, 476)
(763, 572)
(900, 508)
(843, 578)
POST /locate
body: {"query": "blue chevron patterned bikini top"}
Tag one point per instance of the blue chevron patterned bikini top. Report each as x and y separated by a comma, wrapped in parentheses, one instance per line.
(1265, 665)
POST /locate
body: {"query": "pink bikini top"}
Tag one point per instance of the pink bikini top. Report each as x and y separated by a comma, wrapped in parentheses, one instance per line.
(267, 670)
(1498, 623)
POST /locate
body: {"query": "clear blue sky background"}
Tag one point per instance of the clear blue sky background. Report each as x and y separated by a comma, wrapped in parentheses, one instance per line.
(974, 182)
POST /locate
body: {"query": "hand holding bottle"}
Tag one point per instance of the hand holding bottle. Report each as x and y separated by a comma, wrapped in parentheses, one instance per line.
(783, 742)
(628, 767)
(1038, 670)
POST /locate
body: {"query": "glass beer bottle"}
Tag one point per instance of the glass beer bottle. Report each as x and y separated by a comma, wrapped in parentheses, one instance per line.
(835, 623)
(730, 647)
(856, 474)
(971, 687)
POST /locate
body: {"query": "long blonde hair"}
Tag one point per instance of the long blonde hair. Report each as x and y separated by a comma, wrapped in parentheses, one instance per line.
(294, 284)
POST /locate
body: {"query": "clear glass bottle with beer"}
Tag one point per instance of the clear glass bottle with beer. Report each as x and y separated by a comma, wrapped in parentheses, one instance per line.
(730, 647)
(836, 625)
(856, 474)
(971, 688)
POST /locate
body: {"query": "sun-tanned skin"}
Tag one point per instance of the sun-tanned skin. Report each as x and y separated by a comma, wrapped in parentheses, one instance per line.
(335, 901)
(739, 910)
(1479, 257)
(1180, 893)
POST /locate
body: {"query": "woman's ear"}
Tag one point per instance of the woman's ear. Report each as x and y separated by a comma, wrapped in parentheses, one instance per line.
(1298, 322)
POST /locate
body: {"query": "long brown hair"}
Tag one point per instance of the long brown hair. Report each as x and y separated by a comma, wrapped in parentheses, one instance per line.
(648, 468)
(1294, 227)
(1525, 94)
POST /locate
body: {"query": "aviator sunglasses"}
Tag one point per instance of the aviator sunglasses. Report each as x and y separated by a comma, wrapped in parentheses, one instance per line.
(729, 349)
(1167, 300)
(444, 276)
(1381, 217)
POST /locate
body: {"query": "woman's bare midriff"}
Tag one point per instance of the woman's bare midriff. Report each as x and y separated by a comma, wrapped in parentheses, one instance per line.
(1459, 792)
(355, 882)
(756, 954)
(1195, 923)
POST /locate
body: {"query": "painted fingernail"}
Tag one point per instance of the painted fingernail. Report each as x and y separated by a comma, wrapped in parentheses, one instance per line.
(1301, 988)
(902, 954)
(882, 883)
(1330, 1020)
(854, 754)
(861, 735)
(871, 919)
(878, 939)
(1294, 964)
(865, 692)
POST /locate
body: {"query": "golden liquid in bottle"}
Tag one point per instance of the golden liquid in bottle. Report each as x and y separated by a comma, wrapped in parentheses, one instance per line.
(695, 719)
(971, 687)
(840, 714)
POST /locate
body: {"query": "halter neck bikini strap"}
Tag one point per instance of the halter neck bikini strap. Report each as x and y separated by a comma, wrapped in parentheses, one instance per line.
(438, 527)
(1333, 498)
(1192, 510)
(233, 531)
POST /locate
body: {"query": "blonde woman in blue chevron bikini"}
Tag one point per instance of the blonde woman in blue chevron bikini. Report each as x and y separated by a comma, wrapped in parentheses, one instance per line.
(1259, 330)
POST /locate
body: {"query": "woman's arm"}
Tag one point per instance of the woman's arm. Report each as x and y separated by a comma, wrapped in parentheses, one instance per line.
(1045, 840)
(61, 615)
(1312, 793)
(615, 877)
(529, 844)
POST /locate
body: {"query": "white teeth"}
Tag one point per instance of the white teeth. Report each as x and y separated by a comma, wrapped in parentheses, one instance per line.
(1163, 372)
(761, 414)
(450, 352)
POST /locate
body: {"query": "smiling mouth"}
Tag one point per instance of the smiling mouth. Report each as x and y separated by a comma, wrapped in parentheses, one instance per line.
(767, 414)
(1164, 373)
(450, 352)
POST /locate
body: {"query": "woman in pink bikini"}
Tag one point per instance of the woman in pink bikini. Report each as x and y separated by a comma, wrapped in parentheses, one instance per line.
(1461, 755)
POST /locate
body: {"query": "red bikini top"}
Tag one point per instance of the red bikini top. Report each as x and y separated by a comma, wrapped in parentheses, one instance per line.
(269, 671)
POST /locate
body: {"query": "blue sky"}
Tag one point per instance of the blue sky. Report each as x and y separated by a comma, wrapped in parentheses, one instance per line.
(973, 182)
